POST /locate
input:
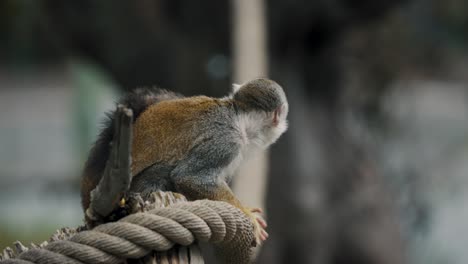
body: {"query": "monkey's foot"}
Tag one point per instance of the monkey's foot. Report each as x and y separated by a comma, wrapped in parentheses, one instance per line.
(259, 225)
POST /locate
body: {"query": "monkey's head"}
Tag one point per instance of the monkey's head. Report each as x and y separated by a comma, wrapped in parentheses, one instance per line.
(263, 110)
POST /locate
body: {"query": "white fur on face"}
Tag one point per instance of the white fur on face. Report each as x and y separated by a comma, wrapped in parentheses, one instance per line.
(257, 128)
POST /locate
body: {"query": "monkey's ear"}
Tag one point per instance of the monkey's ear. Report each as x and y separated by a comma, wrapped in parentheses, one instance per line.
(235, 87)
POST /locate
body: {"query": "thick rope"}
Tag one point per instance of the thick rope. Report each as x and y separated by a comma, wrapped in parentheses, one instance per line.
(159, 229)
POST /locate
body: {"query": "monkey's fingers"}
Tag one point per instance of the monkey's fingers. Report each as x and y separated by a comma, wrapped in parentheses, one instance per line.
(258, 217)
(257, 210)
(263, 235)
(259, 228)
(261, 221)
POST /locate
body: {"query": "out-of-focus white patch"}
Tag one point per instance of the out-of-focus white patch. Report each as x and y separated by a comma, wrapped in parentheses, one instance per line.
(236, 87)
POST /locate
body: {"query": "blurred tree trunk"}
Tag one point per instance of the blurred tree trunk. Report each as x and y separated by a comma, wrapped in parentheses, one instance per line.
(250, 62)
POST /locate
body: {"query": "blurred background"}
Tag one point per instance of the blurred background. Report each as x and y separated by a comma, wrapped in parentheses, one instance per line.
(372, 169)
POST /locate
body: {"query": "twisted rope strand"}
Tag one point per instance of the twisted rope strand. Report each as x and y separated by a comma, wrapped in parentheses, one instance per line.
(156, 230)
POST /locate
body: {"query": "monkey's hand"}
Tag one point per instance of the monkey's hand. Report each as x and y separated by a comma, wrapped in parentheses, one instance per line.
(259, 223)
(193, 190)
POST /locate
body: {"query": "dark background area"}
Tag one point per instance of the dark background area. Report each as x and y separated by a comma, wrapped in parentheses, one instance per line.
(371, 170)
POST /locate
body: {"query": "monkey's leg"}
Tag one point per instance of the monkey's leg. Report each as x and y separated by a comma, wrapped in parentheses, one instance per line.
(222, 192)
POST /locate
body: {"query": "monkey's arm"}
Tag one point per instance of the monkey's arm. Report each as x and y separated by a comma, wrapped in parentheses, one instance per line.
(194, 189)
(202, 176)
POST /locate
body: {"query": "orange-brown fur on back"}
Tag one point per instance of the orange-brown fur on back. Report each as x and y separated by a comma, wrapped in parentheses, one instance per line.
(160, 136)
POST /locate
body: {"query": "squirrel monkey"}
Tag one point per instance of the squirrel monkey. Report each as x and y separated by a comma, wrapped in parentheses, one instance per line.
(193, 145)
